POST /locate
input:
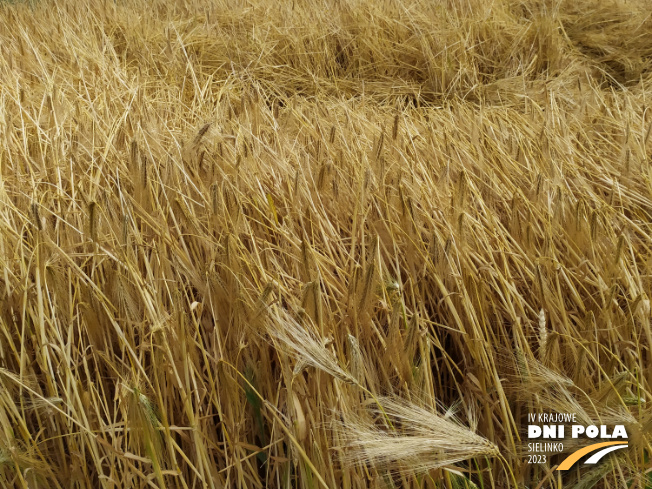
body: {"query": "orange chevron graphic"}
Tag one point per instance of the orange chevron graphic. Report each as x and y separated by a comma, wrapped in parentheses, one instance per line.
(575, 456)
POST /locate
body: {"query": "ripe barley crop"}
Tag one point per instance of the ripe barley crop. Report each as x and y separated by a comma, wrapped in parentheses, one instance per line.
(322, 244)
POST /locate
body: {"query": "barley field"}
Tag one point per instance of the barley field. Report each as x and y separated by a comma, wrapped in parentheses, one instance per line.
(322, 244)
